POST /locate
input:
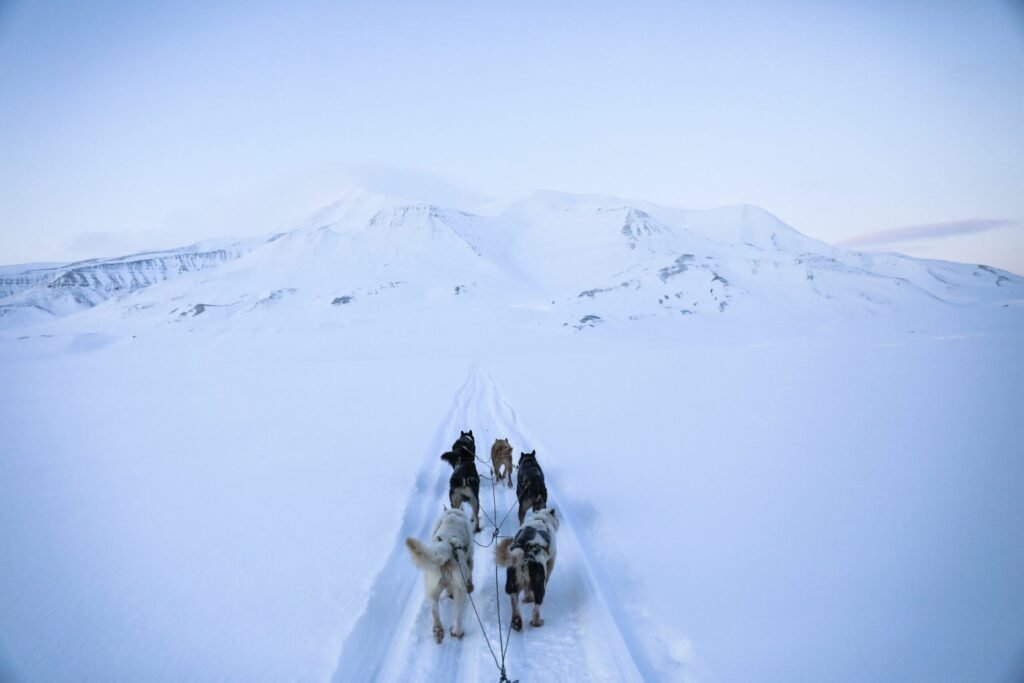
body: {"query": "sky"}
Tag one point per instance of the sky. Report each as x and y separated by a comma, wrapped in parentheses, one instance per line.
(875, 125)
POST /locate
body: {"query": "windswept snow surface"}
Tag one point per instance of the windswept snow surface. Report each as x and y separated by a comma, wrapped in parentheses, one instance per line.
(774, 460)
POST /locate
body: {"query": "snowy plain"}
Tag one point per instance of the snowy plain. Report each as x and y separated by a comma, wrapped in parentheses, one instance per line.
(775, 460)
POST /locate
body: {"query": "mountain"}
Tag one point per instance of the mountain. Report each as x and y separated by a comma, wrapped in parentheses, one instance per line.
(42, 291)
(574, 261)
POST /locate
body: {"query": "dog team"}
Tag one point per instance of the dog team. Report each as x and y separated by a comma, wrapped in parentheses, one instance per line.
(446, 558)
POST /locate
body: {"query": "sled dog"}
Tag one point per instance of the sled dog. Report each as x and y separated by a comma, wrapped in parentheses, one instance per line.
(530, 558)
(501, 460)
(464, 484)
(445, 558)
(530, 488)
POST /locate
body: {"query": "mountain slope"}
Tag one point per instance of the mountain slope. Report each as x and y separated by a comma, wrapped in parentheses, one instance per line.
(573, 261)
(40, 293)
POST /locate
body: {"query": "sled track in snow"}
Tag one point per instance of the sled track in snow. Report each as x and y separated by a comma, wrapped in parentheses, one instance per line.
(392, 640)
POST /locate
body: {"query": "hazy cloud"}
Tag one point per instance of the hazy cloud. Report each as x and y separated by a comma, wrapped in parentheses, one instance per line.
(928, 231)
(107, 244)
(94, 242)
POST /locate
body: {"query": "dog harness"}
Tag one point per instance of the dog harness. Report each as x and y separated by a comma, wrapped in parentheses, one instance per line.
(532, 541)
(455, 551)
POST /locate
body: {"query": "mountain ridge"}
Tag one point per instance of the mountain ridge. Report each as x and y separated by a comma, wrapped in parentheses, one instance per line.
(596, 258)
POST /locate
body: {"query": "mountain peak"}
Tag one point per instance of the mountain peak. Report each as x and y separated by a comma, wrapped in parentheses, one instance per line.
(739, 224)
(354, 205)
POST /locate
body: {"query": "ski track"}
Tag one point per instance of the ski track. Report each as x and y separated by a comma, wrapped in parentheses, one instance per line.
(392, 639)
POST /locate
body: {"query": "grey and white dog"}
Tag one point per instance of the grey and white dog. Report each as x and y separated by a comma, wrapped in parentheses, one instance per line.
(445, 559)
(530, 559)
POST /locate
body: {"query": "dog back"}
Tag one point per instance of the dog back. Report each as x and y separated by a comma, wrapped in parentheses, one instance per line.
(530, 484)
(463, 451)
(501, 449)
(533, 539)
(465, 446)
(527, 556)
(452, 531)
(465, 474)
(530, 473)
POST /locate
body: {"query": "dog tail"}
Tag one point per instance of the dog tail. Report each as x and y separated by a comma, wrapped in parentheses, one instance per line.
(424, 556)
(507, 556)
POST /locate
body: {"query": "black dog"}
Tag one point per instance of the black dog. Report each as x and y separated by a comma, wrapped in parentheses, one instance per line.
(464, 485)
(530, 488)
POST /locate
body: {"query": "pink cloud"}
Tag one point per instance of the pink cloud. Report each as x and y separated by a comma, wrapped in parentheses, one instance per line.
(928, 231)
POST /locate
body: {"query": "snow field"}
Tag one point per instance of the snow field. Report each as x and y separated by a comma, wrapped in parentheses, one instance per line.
(392, 640)
(774, 460)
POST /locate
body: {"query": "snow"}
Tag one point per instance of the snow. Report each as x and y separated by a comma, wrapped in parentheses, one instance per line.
(392, 640)
(209, 477)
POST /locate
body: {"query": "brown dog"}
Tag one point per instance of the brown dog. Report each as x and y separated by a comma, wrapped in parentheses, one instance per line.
(501, 456)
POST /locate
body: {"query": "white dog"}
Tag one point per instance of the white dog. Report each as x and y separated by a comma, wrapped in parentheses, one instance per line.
(530, 558)
(445, 559)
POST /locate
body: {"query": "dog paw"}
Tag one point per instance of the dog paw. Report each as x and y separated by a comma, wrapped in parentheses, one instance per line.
(478, 529)
(517, 623)
(536, 621)
(438, 634)
(457, 634)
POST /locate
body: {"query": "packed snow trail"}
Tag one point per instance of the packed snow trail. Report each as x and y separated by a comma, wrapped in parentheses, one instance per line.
(392, 640)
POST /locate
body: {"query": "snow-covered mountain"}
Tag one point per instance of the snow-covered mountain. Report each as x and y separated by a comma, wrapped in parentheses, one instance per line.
(41, 291)
(575, 261)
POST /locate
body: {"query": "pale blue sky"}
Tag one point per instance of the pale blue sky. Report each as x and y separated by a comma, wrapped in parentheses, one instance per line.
(130, 124)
